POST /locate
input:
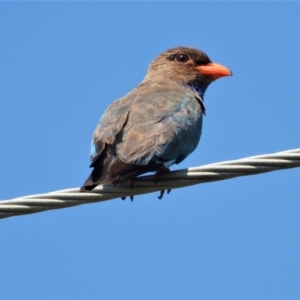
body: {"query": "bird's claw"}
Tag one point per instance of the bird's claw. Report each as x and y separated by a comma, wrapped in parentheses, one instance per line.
(131, 197)
(131, 187)
(157, 175)
(162, 192)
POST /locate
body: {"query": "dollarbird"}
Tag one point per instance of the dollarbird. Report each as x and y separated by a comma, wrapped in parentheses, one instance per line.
(158, 123)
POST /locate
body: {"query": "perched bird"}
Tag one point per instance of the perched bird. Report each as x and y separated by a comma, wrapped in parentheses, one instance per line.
(158, 123)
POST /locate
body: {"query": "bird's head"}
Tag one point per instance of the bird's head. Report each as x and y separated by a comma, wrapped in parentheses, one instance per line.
(188, 66)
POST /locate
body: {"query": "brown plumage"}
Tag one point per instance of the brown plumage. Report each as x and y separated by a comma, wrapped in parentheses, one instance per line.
(158, 123)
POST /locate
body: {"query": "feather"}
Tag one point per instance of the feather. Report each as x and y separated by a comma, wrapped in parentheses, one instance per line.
(157, 124)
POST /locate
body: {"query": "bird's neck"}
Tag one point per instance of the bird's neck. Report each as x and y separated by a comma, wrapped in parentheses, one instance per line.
(198, 88)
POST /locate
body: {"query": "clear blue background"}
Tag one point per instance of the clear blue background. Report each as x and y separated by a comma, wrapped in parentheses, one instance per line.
(61, 64)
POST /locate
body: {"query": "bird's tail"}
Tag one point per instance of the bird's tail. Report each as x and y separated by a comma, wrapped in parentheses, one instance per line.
(110, 169)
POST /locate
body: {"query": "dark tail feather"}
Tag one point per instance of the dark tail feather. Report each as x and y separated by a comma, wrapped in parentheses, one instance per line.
(101, 173)
(109, 169)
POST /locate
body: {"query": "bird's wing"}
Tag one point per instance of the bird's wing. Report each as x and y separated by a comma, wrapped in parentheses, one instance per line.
(110, 124)
(142, 132)
(163, 125)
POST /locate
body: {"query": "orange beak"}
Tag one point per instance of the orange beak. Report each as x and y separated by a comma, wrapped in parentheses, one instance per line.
(214, 70)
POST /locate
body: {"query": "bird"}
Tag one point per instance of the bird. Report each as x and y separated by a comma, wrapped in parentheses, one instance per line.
(158, 123)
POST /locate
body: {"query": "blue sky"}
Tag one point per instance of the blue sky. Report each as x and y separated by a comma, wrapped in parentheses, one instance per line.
(61, 65)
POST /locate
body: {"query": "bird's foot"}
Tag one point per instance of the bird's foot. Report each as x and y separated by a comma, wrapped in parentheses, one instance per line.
(157, 175)
(130, 196)
(131, 187)
(160, 173)
(162, 192)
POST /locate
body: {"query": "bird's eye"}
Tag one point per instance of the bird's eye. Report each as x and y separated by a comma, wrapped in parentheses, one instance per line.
(182, 58)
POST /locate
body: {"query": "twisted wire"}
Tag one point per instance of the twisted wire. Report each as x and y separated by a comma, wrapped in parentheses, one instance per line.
(145, 184)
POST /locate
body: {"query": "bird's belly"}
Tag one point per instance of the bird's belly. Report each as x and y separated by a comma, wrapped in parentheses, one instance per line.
(183, 143)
